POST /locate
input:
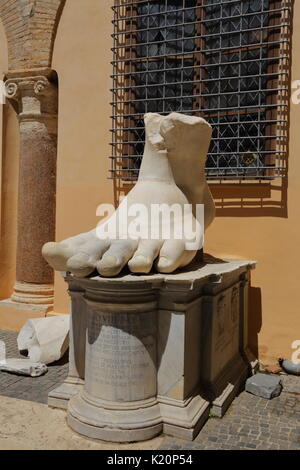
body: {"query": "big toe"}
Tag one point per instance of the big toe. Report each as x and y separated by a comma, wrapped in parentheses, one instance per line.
(85, 261)
(57, 254)
(81, 265)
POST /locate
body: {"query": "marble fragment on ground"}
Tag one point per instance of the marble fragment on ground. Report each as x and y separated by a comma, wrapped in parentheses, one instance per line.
(45, 339)
(23, 367)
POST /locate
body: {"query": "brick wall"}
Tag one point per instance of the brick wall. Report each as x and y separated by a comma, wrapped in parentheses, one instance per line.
(30, 27)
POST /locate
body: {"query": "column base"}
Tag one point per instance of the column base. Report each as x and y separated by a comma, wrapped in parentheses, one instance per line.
(113, 421)
(13, 315)
(33, 294)
(27, 301)
(137, 421)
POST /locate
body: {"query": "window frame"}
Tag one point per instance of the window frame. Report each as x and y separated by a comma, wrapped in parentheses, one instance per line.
(124, 124)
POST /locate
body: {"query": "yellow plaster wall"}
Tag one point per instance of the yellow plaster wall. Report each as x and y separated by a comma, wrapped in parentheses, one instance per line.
(81, 59)
(274, 241)
(268, 232)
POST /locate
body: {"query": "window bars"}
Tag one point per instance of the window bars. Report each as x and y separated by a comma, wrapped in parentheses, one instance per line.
(227, 61)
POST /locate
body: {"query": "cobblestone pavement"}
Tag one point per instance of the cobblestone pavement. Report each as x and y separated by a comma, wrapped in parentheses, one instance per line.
(29, 388)
(250, 422)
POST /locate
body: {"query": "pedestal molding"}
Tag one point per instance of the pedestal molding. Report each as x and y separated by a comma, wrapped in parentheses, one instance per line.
(174, 362)
(37, 294)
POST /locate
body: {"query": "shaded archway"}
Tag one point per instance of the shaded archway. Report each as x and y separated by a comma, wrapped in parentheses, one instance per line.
(30, 27)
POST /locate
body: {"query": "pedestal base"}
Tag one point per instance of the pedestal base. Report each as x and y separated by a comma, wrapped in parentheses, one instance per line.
(161, 352)
(113, 421)
(184, 418)
(136, 421)
(235, 376)
(60, 396)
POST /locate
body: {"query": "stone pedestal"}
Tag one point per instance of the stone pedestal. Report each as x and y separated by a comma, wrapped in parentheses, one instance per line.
(155, 353)
(60, 396)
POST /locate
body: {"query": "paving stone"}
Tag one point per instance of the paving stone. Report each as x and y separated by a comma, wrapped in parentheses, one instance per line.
(263, 385)
(28, 388)
(253, 423)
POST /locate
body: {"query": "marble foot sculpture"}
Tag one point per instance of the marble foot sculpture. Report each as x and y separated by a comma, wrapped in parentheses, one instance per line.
(171, 174)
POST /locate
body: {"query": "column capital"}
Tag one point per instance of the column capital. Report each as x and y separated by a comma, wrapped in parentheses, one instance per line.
(20, 86)
(34, 99)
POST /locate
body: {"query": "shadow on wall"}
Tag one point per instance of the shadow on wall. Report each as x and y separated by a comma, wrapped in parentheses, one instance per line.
(257, 199)
(265, 197)
(254, 318)
(240, 199)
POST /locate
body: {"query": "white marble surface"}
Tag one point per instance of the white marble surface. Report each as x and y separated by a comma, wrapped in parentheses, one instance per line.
(23, 367)
(45, 339)
(197, 271)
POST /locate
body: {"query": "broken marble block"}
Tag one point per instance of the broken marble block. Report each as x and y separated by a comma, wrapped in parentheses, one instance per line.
(263, 385)
(23, 367)
(45, 339)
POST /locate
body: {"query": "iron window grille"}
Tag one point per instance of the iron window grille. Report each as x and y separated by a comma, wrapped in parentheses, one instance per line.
(225, 60)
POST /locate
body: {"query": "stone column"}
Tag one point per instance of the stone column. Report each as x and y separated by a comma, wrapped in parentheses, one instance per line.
(35, 100)
(120, 366)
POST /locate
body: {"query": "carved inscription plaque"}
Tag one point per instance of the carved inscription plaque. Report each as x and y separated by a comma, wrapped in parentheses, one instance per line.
(121, 355)
(226, 327)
